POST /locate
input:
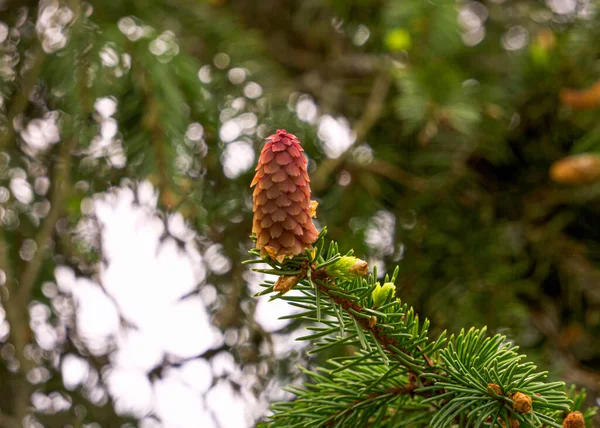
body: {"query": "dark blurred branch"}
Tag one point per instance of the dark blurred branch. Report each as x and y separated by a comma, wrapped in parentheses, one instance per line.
(151, 122)
(350, 65)
(9, 422)
(20, 292)
(369, 118)
(61, 186)
(19, 337)
(21, 99)
(374, 106)
(394, 173)
(574, 371)
(61, 180)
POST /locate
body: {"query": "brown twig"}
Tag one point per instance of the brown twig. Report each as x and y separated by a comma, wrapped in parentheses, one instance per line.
(388, 342)
(363, 125)
(395, 390)
(392, 172)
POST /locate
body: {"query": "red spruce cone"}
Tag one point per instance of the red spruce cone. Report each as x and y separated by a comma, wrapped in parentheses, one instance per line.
(282, 207)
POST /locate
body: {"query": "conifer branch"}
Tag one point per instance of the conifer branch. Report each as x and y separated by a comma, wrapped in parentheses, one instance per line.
(470, 379)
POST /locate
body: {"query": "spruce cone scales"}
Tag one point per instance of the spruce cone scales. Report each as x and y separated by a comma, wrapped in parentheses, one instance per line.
(282, 207)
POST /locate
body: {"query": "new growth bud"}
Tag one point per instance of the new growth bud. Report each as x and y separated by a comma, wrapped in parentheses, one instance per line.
(347, 268)
(495, 388)
(521, 402)
(383, 293)
(282, 207)
(574, 420)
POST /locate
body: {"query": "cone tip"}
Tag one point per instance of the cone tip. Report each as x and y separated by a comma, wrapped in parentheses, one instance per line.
(280, 134)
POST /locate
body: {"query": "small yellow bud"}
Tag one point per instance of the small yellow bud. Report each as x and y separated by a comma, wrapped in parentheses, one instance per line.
(382, 294)
(348, 268)
(494, 387)
(313, 208)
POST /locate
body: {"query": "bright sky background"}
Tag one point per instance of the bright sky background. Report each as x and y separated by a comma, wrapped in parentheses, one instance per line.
(134, 309)
(142, 284)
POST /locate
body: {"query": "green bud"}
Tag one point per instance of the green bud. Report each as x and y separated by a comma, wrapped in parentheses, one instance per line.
(347, 268)
(382, 294)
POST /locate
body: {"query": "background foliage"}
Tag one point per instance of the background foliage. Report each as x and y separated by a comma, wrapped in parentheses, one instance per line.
(431, 128)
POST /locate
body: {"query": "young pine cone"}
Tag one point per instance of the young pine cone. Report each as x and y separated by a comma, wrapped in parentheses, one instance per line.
(282, 207)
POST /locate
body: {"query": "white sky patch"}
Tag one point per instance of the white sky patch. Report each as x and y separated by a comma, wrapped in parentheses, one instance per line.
(75, 371)
(283, 344)
(107, 143)
(185, 330)
(145, 278)
(51, 26)
(237, 158)
(237, 75)
(142, 283)
(97, 316)
(237, 412)
(178, 228)
(306, 109)
(336, 135)
(179, 407)
(267, 313)
(139, 264)
(3, 32)
(361, 35)
(108, 128)
(40, 133)
(229, 131)
(205, 74)
(21, 189)
(195, 132)
(562, 7)
(137, 350)
(380, 232)
(197, 375)
(515, 38)
(253, 90)
(132, 391)
(106, 106)
(65, 278)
